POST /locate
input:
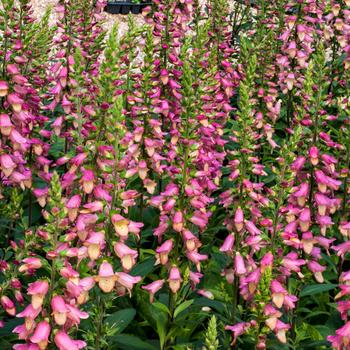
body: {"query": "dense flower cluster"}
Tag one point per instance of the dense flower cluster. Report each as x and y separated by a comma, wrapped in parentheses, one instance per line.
(196, 167)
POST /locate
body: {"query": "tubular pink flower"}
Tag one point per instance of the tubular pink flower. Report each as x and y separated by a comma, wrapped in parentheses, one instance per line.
(308, 242)
(344, 229)
(239, 219)
(251, 228)
(75, 315)
(73, 205)
(4, 88)
(30, 314)
(6, 125)
(59, 310)
(153, 288)
(305, 219)
(196, 258)
(8, 305)
(199, 219)
(41, 335)
(227, 246)
(178, 221)
(313, 155)
(121, 226)
(195, 278)
(278, 293)
(280, 331)
(323, 203)
(190, 240)
(266, 261)
(317, 270)
(174, 279)
(64, 342)
(126, 281)
(127, 255)
(106, 278)
(94, 243)
(87, 180)
(38, 290)
(238, 329)
(7, 164)
(163, 252)
(30, 264)
(240, 268)
(15, 101)
(301, 194)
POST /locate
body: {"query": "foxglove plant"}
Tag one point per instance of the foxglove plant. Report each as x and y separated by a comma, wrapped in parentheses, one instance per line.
(192, 171)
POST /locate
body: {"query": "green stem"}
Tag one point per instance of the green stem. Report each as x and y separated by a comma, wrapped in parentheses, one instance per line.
(235, 297)
(280, 197)
(5, 48)
(172, 304)
(99, 326)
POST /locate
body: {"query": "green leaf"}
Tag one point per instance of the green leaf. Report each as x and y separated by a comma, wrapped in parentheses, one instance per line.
(317, 289)
(9, 326)
(316, 313)
(161, 307)
(120, 320)
(128, 342)
(214, 304)
(183, 307)
(144, 268)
